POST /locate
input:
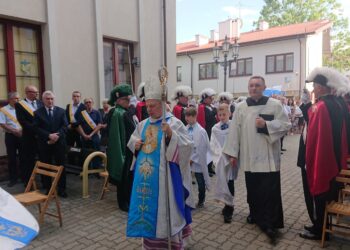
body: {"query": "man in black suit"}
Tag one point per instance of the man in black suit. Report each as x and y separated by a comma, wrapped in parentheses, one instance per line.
(73, 111)
(25, 115)
(50, 125)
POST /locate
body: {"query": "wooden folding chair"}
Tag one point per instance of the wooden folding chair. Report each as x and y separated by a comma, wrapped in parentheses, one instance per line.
(42, 200)
(337, 209)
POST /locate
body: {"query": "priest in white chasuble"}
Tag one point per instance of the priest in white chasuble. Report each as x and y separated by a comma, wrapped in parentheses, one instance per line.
(148, 212)
(254, 143)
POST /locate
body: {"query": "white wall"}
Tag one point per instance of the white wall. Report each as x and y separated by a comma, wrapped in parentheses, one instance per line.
(72, 35)
(25, 10)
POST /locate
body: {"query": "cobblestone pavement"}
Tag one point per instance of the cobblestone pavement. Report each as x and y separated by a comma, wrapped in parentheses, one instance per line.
(93, 224)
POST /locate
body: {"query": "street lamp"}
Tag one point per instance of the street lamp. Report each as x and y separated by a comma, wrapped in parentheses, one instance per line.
(225, 48)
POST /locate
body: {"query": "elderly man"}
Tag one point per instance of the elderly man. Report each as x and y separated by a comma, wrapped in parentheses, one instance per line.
(327, 142)
(148, 209)
(25, 115)
(13, 133)
(50, 124)
(73, 111)
(254, 141)
(120, 126)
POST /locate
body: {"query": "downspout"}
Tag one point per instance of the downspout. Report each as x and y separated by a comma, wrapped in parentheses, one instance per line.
(191, 58)
(300, 61)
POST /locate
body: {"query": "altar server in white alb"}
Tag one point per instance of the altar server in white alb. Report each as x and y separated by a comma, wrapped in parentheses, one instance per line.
(201, 149)
(224, 188)
(17, 226)
(254, 140)
(227, 97)
(147, 216)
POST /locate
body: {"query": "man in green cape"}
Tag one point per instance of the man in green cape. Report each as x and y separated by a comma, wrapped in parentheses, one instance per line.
(120, 126)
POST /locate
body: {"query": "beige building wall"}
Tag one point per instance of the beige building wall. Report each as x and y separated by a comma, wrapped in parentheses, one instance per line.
(72, 36)
(307, 55)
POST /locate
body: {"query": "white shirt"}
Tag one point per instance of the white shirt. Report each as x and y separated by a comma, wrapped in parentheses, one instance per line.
(32, 103)
(6, 120)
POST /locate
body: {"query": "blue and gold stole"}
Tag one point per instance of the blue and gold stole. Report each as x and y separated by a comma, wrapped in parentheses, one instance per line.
(142, 219)
(16, 231)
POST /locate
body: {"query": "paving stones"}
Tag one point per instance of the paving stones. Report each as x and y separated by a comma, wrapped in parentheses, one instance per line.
(94, 224)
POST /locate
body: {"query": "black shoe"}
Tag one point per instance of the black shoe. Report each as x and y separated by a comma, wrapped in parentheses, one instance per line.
(250, 220)
(12, 183)
(124, 207)
(200, 205)
(62, 194)
(283, 149)
(311, 236)
(309, 228)
(228, 213)
(272, 234)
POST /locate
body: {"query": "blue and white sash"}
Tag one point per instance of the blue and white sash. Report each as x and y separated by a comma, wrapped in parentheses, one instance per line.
(143, 211)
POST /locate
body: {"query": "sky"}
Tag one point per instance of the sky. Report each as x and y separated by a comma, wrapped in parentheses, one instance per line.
(200, 16)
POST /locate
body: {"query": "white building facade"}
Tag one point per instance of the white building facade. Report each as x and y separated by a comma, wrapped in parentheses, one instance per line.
(85, 45)
(282, 55)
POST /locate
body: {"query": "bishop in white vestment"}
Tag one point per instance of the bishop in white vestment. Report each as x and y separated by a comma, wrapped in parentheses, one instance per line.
(147, 216)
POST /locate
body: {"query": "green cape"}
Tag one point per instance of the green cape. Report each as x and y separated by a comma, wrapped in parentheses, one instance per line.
(116, 144)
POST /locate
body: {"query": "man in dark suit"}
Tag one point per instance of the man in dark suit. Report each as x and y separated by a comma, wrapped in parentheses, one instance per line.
(25, 115)
(50, 125)
(73, 111)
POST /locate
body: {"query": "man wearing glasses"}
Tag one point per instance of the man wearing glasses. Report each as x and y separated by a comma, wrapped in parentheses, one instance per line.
(25, 114)
(73, 111)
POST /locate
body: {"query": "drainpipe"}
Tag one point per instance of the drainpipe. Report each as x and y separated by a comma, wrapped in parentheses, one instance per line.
(191, 58)
(300, 61)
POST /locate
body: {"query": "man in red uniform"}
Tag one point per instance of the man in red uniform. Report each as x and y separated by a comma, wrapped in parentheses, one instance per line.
(207, 116)
(327, 142)
(181, 94)
(141, 111)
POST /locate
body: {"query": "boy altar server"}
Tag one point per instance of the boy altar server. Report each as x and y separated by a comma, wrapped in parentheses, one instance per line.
(225, 189)
(198, 161)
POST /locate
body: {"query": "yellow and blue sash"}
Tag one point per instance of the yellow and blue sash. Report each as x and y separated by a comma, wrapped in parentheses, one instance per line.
(16, 231)
(30, 109)
(88, 119)
(10, 116)
(142, 219)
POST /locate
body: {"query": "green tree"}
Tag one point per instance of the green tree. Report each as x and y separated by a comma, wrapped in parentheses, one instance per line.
(284, 12)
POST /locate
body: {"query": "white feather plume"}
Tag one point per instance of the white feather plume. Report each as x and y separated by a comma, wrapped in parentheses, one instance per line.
(225, 95)
(184, 90)
(207, 92)
(337, 81)
(140, 89)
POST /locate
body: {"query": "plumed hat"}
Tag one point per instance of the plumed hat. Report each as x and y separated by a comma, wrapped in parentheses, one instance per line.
(182, 90)
(141, 90)
(331, 78)
(206, 93)
(153, 89)
(120, 90)
(241, 99)
(225, 96)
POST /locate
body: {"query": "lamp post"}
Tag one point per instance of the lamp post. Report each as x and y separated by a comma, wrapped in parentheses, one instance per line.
(225, 48)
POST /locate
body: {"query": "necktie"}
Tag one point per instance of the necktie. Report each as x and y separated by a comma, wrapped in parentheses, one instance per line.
(50, 114)
(34, 105)
(224, 126)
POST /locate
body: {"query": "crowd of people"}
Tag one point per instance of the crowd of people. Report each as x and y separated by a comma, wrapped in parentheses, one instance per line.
(155, 153)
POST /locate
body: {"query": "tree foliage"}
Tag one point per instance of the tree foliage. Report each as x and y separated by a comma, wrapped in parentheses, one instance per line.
(284, 12)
